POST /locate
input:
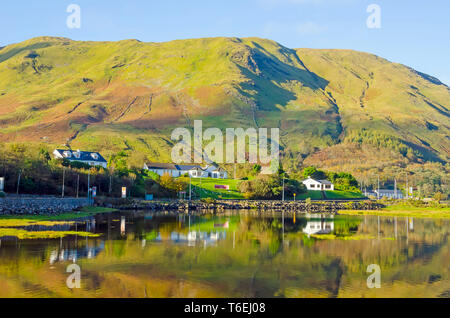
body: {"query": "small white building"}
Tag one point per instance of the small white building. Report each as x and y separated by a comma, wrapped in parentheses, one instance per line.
(195, 171)
(319, 227)
(90, 158)
(318, 185)
(384, 193)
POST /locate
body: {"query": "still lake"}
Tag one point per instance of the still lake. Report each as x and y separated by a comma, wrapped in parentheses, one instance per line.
(234, 254)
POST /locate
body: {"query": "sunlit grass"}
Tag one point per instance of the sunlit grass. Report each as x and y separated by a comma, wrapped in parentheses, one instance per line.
(29, 235)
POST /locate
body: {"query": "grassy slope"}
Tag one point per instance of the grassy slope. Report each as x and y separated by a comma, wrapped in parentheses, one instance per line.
(405, 211)
(110, 96)
(205, 188)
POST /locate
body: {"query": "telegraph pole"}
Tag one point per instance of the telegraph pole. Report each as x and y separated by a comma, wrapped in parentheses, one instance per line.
(78, 185)
(89, 187)
(395, 188)
(18, 182)
(283, 187)
(190, 188)
(407, 190)
(378, 196)
(64, 177)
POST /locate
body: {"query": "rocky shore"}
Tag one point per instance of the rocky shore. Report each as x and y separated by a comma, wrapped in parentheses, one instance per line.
(39, 205)
(220, 205)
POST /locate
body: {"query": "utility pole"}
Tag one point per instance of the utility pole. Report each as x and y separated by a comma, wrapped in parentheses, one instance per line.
(190, 188)
(378, 194)
(64, 177)
(89, 187)
(407, 190)
(110, 184)
(18, 182)
(78, 185)
(395, 188)
(283, 187)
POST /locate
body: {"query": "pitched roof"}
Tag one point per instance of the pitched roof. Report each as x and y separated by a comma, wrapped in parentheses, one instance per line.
(325, 182)
(83, 155)
(165, 166)
(172, 166)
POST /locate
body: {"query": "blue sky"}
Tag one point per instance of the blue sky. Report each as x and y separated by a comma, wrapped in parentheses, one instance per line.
(413, 32)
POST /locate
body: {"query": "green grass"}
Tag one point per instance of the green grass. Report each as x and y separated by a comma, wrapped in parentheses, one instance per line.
(29, 235)
(405, 211)
(205, 188)
(313, 195)
(337, 195)
(97, 209)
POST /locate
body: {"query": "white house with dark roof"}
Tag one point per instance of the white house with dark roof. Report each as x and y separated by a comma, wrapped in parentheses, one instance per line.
(318, 185)
(195, 171)
(90, 158)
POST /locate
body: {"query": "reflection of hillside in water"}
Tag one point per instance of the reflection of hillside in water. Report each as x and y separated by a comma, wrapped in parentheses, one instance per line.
(250, 256)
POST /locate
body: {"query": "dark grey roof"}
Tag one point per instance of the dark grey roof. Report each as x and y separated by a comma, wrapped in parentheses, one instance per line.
(165, 166)
(84, 155)
(326, 182)
(172, 166)
(189, 167)
(387, 191)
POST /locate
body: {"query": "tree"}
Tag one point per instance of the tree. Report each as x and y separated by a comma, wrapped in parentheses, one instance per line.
(257, 169)
(438, 197)
(313, 172)
(120, 164)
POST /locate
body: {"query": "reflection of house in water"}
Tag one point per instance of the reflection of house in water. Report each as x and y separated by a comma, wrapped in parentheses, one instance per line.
(194, 237)
(72, 255)
(322, 226)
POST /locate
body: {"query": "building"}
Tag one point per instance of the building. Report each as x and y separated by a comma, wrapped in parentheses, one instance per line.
(90, 158)
(318, 185)
(195, 171)
(383, 193)
(319, 227)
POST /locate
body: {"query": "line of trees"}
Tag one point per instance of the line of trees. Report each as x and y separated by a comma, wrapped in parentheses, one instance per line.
(30, 169)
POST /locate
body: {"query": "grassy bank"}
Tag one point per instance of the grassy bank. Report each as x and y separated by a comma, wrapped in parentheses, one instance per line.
(205, 188)
(405, 211)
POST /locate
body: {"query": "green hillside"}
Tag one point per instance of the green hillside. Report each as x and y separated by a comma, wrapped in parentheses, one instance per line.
(337, 109)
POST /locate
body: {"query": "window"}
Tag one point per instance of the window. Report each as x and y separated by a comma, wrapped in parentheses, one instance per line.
(67, 154)
(328, 186)
(94, 156)
(312, 186)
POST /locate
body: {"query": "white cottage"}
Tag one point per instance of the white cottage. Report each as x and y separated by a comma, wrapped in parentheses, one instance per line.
(195, 171)
(86, 157)
(318, 185)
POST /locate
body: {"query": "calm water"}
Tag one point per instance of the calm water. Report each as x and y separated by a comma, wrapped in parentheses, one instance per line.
(232, 255)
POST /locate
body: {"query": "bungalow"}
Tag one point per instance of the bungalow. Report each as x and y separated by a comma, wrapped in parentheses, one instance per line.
(195, 171)
(318, 185)
(90, 158)
(385, 193)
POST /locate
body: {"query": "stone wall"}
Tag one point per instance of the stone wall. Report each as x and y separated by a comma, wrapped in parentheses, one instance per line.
(218, 205)
(39, 205)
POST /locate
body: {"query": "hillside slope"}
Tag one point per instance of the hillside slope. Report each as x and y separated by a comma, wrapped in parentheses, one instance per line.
(332, 106)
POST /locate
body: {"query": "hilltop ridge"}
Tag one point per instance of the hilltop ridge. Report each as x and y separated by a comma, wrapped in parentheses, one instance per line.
(111, 96)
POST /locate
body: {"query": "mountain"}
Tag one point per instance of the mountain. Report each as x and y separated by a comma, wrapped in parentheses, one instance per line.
(335, 108)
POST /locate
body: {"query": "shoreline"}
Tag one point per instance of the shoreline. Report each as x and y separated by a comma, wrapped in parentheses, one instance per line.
(418, 213)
